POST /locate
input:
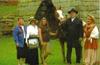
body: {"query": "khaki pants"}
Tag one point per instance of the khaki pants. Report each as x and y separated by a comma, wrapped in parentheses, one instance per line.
(44, 52)
(90, 56)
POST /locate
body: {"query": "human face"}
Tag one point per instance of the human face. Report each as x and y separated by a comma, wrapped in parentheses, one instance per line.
(44, 21)
(33, 23)
(89, 20)
(72, 14)
(20, 21)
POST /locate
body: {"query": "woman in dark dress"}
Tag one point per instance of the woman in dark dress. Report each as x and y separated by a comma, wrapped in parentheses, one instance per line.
(32, 40)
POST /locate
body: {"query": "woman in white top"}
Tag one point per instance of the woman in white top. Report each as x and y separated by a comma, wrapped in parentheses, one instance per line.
(91, 35)
(33, 37)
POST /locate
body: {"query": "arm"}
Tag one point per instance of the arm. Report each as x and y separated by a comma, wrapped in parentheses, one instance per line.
(95, 33)
(81, 31)
(40, 36)
(15, 35)
(27, 35)
(91, 28)
(52, 33)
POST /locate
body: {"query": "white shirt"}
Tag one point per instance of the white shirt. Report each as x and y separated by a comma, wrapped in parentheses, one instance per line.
(32, 30)
(72, 19)
(94, 33)
(23, 31)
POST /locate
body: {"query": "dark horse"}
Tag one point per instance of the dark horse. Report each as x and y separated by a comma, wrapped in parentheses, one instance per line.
(62, 39)
(48, 10)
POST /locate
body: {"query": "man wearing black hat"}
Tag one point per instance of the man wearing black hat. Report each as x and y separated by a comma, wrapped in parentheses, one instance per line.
(74, 32)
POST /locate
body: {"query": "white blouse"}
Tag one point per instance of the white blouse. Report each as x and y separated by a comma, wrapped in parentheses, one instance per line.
(23, 31)
(95, 33)
(32, 30)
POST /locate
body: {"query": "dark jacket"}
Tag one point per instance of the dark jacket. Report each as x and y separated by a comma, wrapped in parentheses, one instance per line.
(73, 30)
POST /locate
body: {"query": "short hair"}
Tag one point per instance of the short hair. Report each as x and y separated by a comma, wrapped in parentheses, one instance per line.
(20, 18)
(41, 21)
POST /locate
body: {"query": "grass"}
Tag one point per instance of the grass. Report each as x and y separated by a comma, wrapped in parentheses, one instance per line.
(8, 52)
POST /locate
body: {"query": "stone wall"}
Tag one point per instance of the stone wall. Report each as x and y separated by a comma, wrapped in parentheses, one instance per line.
(85, 7)
(28, 8)
(8, 2)
(6, 25)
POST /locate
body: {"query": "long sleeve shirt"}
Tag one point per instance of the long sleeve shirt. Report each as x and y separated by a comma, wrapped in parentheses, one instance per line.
(19, 35)
(32, 30)
(94, 33)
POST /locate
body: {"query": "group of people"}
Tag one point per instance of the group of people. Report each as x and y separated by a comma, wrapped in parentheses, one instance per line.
(74, 32)
(29, 38)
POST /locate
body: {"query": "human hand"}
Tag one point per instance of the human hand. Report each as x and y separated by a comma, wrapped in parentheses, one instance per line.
(17, 44)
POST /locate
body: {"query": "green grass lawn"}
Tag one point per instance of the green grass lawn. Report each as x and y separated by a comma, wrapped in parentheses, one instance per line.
(8, 52)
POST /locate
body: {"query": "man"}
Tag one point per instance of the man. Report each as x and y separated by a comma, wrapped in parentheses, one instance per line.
(74, 32)
(19, 37)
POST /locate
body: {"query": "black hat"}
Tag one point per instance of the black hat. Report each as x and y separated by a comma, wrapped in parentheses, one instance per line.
(73, 10)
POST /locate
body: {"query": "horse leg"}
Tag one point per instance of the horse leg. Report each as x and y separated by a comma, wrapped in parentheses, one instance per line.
(63, 49)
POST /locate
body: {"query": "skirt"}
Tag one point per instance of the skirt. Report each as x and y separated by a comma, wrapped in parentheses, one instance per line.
(32, 56)
(91, 45)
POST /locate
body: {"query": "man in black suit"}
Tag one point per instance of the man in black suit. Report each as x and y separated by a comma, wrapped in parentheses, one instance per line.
(74, 32)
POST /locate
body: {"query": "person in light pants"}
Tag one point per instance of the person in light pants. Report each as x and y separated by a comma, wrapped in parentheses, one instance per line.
(91, 34)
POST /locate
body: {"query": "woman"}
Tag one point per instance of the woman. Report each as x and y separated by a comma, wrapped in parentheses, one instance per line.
(91, 34)
(32, 39)
(45, 40)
